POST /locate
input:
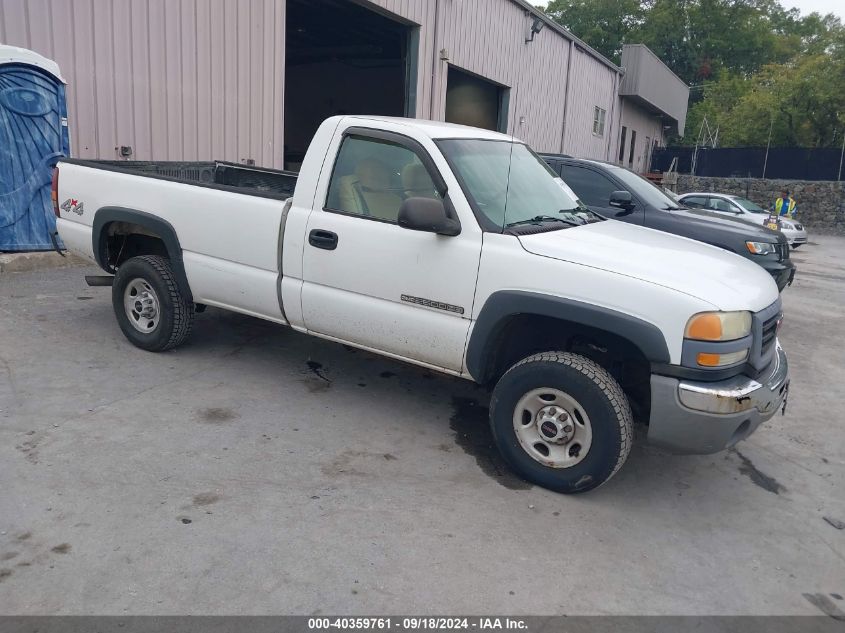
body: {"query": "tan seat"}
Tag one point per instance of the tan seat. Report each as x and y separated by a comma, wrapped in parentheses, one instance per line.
(370, 192)
(417, 183)
(348, 198)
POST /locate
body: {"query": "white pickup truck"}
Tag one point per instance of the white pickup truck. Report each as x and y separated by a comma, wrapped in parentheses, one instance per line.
(456, 249)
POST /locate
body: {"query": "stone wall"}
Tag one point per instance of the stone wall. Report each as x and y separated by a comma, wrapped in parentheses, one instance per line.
(821, 204)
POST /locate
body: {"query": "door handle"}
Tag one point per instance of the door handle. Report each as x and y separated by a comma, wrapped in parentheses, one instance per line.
(326, 240)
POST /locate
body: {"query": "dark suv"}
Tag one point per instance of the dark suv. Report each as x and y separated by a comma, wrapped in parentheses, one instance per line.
(620, 194)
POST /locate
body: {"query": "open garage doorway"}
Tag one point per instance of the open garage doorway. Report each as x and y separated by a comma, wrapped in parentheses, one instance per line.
(472, 100)
(342, 58)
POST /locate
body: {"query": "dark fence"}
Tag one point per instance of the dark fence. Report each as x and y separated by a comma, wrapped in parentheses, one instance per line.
(789, 163)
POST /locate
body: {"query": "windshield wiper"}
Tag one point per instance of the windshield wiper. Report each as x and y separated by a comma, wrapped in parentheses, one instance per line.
(598, 217)
(542, 218)
(673, 208)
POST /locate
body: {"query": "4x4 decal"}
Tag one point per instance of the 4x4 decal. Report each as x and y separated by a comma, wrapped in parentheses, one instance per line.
(72, 205)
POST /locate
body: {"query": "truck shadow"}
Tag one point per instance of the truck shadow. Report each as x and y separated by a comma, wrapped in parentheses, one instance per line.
(448, 408)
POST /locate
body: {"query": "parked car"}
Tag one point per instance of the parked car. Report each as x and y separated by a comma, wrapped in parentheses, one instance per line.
(401, 239)
(620, 194)
(744, 209)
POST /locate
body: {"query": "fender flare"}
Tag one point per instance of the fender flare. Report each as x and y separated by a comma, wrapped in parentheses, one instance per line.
(503, 305)
(106, 215)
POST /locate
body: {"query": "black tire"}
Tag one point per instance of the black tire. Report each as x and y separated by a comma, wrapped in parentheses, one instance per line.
(595, 390)
(795, 246)
(175, 314)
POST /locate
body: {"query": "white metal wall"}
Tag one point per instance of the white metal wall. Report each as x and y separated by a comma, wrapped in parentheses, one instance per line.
(487, 37)
(592, 84)
(204, 79)
(174, 80)
(647, 125)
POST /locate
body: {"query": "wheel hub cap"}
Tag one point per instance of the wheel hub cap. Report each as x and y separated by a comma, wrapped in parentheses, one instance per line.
(141, 304)
(552, 427)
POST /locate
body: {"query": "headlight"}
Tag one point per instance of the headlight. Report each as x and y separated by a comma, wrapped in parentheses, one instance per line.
(787, 225)
(760, 248)
(719, 326)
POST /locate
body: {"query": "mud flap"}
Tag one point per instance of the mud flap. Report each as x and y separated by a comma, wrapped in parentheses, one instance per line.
(54, 238)
(785, 399)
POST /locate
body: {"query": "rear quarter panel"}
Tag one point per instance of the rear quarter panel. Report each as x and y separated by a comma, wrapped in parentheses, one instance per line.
(229, 240)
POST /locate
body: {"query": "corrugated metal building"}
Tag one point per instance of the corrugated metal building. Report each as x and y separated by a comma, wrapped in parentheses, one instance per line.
(654, 101)
(249, 80)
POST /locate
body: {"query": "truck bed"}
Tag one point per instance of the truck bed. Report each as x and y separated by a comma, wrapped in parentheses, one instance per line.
(245, 179)
(223, 219)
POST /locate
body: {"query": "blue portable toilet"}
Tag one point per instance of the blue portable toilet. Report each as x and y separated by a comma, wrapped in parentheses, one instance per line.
(33, 136)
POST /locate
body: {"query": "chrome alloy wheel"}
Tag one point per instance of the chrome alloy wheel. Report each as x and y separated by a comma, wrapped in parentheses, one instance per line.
(142, 306)
(552, 427)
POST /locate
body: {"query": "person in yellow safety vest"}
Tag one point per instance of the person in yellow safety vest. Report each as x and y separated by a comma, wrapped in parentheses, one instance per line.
(785, 205)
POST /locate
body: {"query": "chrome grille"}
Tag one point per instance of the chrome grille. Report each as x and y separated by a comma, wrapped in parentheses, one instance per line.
(783, 251)
(770, 331)
(765, 330)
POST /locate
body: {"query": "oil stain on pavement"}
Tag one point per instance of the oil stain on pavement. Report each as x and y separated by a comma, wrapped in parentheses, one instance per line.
(470, 423)
(206, 498)
(760, 478)
(315, 367)
(217, 415)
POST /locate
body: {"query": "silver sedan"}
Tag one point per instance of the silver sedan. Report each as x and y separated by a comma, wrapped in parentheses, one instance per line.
(744, 209)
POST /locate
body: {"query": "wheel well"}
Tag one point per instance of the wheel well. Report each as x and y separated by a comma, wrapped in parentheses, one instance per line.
(525, 334)
(124, 240)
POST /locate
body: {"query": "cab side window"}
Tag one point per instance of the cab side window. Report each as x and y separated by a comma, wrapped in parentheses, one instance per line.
(592, 188)
(372, 178)
(695, 202)
(718, 204)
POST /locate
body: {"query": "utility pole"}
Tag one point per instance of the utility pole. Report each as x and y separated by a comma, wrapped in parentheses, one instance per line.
(841, 155)
(768, 144)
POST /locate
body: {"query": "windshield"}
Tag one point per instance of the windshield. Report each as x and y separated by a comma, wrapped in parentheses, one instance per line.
(509, 185)
(749, 206)
(647, 192)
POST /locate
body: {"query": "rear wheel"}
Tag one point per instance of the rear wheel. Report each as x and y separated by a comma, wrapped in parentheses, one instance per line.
(150, 307)
(561, 421)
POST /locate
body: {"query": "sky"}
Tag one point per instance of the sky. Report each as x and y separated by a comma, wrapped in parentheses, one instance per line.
(822, 6)
(836, 7)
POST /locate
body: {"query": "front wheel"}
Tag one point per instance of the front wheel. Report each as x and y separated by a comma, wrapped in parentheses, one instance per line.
(561, 421)
(795, 246)
(150, 307)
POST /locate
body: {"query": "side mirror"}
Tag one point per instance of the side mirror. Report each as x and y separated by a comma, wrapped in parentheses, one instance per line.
(427, 214)
(621, 200)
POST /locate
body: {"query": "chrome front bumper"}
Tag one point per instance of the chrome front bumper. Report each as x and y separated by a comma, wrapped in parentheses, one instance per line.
(795, 236)
(707, 417)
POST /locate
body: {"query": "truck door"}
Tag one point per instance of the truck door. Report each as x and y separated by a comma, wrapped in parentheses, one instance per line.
(370, 282)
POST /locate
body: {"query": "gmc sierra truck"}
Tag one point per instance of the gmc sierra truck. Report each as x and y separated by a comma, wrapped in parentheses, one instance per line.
(459, 250)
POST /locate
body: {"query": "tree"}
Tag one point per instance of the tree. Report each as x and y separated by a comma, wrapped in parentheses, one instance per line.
(798, 101)
(603, 24)
(753, 65)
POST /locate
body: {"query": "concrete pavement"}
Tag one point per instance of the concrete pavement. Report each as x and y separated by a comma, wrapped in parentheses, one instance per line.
(260, 471)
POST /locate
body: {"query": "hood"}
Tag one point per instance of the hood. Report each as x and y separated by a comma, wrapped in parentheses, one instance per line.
(743, 228)
(725, 280)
